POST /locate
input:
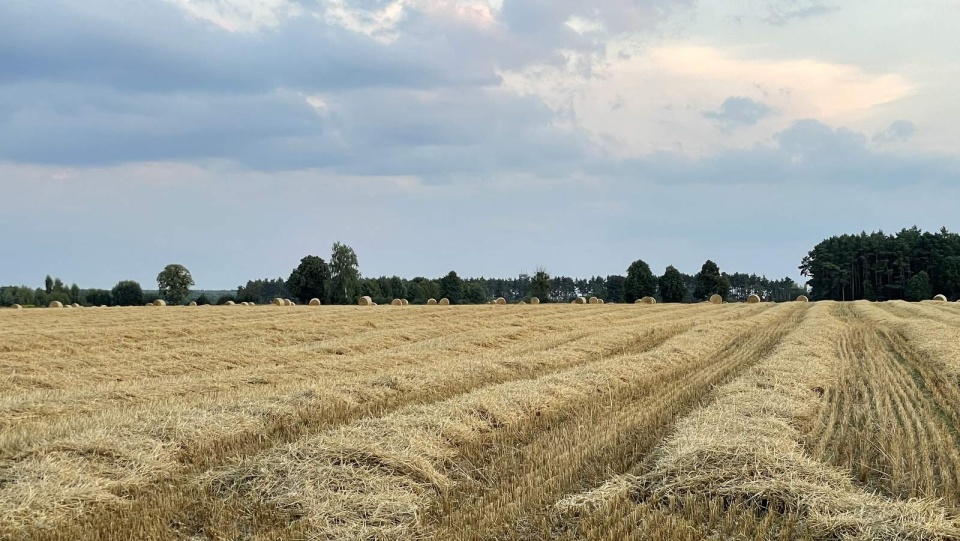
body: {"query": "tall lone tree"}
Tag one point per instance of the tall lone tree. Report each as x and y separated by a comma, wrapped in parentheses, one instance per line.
(174, 283)
(451, 288)
(310, 280)
(540, 288)
(673, 288)
(344, 275)
(640, 282)
(710, 282)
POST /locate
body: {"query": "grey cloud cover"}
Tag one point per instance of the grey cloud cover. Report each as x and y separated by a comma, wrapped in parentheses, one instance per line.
(737, 111)
(152, 137)
(808, 152)
(899, 131)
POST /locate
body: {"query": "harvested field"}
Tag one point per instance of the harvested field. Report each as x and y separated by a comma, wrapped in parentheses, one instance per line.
(668, 421)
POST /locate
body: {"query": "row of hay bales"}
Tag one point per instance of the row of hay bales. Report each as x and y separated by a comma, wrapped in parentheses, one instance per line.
(367, 301)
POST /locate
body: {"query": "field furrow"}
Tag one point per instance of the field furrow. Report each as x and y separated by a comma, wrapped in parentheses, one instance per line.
(897, 436)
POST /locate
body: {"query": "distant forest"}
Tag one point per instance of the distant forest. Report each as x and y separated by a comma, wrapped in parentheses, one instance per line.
(911, 265)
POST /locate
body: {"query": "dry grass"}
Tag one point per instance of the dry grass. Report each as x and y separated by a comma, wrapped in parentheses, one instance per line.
(789, 421)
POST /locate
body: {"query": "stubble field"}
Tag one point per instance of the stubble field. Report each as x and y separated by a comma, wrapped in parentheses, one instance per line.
(734, 421)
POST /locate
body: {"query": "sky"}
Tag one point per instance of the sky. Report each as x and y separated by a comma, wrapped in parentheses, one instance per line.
(490, 137)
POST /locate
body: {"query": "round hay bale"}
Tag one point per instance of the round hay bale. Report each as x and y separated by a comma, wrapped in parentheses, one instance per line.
(594, 300)
(534, 300)
(17, 307)
(716, 299)
(159, 302)
(365, 301)
(753, 299)
(522, 302)
(501, 300)
(192, 303)
(314, 302)
(580, 300)
(431, 302)
(278, 302)
(940, 298)
(405, 302)
(75, 305)
(638, 301)
(803, 298)
(396, 302)
(149, 304)
(287, 302)
(648, 300)
(601, 301)
(444, 302)
(229, 303)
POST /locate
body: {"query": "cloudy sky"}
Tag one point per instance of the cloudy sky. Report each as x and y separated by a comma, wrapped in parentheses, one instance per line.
(486, 136)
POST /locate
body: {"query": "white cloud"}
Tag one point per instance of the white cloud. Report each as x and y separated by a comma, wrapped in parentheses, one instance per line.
(640, 100)
(582, 25)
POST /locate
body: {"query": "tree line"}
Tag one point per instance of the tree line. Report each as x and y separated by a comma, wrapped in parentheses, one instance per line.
(339, 281)
(910, 265)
